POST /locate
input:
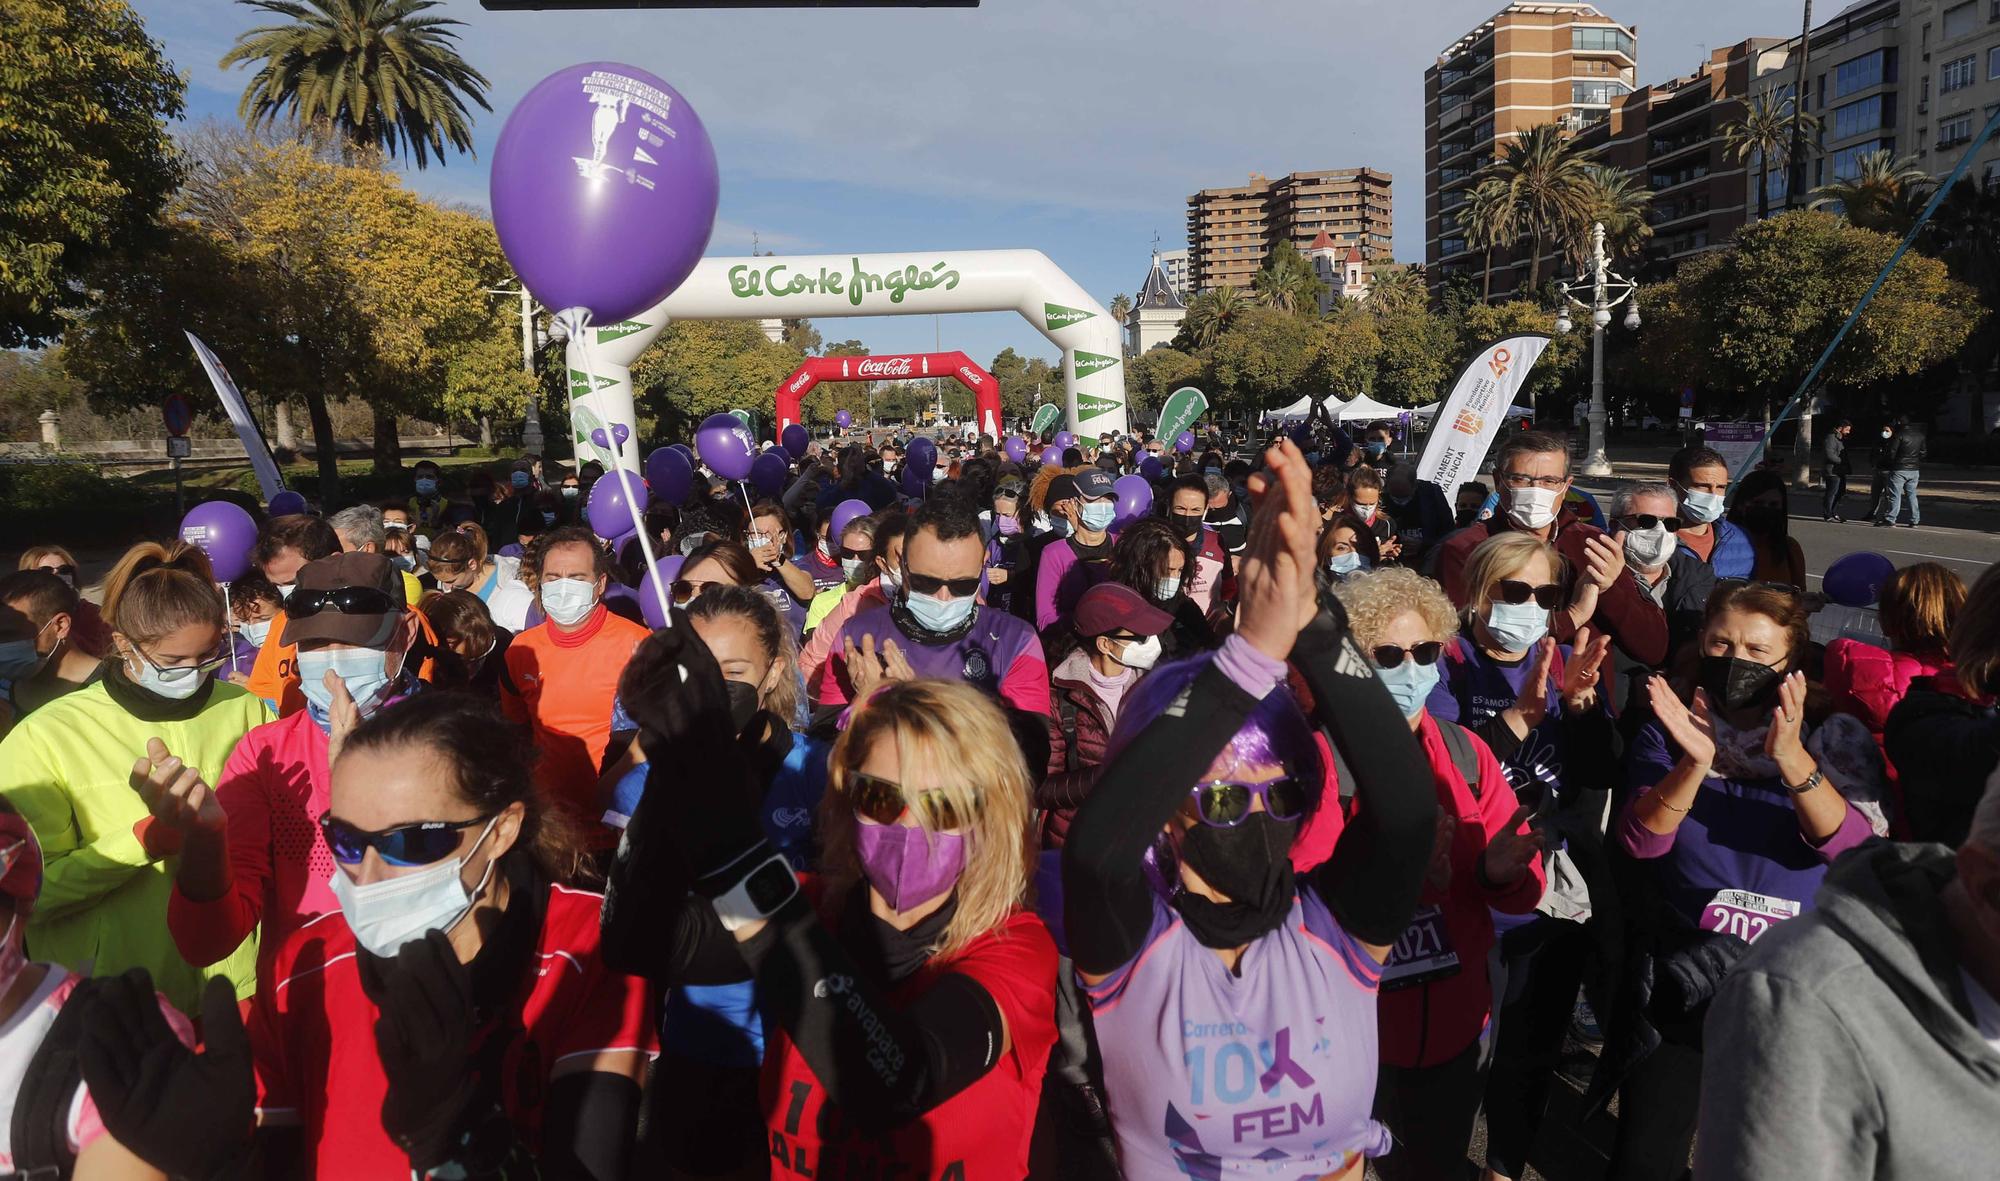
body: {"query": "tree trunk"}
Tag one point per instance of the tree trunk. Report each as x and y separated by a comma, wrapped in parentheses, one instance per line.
(485, 431)
(388, 447)
(329, 460)
(281, 416)
(1535, 265)
(1802, 453)
(1486, 285)
(1763, 185)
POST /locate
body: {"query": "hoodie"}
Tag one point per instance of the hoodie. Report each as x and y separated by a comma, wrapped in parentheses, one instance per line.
(1843, 1044)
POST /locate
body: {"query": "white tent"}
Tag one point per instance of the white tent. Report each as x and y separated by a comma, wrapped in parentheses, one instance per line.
(1298, 411)
(1366, 409)
(1425, 412)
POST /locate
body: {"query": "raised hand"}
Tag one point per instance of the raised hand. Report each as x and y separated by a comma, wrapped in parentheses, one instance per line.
(1603, 561)
(342, 714)
(424, 1039)
(1276, 594)
(673, 688)
(897, 665)
(1510, 851)
(864, 666)
(174, 792)
(1782, 741)
(1533, 703)
(1580, 673)
(185, 1113)
(1692, 730)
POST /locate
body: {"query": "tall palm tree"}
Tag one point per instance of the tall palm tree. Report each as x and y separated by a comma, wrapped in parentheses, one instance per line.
(1211, 313)
(1398, 289)
(1765, 133)
(1619, 200)
(1884, 195)
(376, 73)
(1287, 282)
(1489, 221)
(1121, 303)
(1547, 183)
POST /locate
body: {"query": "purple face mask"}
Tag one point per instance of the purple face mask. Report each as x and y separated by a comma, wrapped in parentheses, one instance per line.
(906, 865)
(1007, 526)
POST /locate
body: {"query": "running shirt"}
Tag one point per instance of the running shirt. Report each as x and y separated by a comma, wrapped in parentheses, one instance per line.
(563, 684)
(1268, 1072)
(333, 1085)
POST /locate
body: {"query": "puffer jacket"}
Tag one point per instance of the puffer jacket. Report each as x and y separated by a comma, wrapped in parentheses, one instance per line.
(1073, 759)
(1868, 681)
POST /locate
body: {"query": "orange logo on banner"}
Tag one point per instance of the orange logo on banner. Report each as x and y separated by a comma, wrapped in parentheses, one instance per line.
(1499, 362)
(1468, 423)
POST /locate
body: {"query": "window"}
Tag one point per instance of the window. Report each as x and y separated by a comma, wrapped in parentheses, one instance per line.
(1958, 74)
(1993, 59)
(1958, 21)
(1953, 131)
(1847, 161)
(1870, 114)
(1596, 94)
(1601, 40)
(1870, 69)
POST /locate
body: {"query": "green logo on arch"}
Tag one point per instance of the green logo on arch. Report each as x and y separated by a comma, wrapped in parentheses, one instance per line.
(1089, 406)
(611, 332)
(1058, 316)
(1089, 363)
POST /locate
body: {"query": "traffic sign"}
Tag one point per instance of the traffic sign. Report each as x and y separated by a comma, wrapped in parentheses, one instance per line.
(179, 447)
(174, 408)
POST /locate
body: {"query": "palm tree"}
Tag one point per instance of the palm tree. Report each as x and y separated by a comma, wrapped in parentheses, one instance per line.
(1489, 220)
(1121, 303)
(1398, 289)
(1547, 183)
(1211, 313)
(376, 73)
(1616, 198)
(1884, 195)
(1765, 132)
(1287, 282)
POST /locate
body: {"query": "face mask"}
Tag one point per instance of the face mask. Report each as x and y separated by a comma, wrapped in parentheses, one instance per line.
(1166, 588)
(1344, 564)
(1886, 434)
(364, 671)
(255, 632)
(68, 580)
(1465, 517)
(19, 660)
(1532, 508)
(1250, 863)
(742, 703)
(548, 519)
(174, 684)
(943, 616)
(1007, 526)
(1097, 515)
(939, 473)
(1141, 654)
(1044, 523)
(1733, 683)
(403, 561)
(520, 479)
(1648, 549)
(570, 491)
(568, 600)
(1516, 626)
(1375, 449)
(888, 467)
(1366, 512)
(908, 866)
(1410, 684)
(1186, 524)
(1702, 507)
(285, 591)
(426, 486)
(757, 541)
(892, 578)
(853, 569)
(387, 915)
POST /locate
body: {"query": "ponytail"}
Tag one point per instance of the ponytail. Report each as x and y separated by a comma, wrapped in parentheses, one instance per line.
(156, 589)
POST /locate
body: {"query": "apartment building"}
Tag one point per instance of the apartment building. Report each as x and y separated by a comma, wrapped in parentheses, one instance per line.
(1174, 264)
(1531, 63)
(1230, 231)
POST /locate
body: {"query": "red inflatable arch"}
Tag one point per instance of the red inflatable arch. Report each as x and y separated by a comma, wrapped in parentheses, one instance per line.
(902, 366)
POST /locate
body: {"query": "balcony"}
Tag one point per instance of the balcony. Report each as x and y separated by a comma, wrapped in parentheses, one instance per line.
(1663, 179)
(1454, 75)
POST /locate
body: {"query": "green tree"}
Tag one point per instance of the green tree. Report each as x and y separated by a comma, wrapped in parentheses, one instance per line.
(1617, 200)
(1344, 355)
(376, 73)
(1025, 381)
(1287, 283)
(1965, 233)
(1397, 290)
(702, 367)
(831, 397)
(1764, 134)
(1482, 324)
(1263, 357)
(1488, 220)
(1886, 194)
(1414, 358)
(1210, 314)
(1548, 186)
(802, 336)
(1159, 371)
(1121, 304)
(85, 160)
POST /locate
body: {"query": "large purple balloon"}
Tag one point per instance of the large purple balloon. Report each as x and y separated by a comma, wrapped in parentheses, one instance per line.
(1052, 456)
(686, 451)
(916, 481)
(223, 531)
(767, 473)
(844, 512)
(669, 475)
(725, 445)
(1856, 579)
(843, 419)
(659, 578)
(1135, 498)
(1016, 448)
(1184, 442)
(796, 439)
(1151, 468)
(921, 454)
(287, 503)
(607, 512)
(603, 190)
(1065, 440)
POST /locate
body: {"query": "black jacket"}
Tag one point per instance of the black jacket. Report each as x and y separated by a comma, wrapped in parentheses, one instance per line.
(1836, 455)
(1943, 748)
(1907, 450)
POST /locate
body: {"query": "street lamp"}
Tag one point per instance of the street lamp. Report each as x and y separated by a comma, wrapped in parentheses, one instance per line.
(531, 426)
(1605, 290)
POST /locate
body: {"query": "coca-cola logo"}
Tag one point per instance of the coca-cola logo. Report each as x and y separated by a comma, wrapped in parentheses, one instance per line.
(966, 374)
(885, 367)
(800, 382)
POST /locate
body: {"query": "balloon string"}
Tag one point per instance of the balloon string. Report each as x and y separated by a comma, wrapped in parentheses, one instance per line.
(226, 616)
(625, 484)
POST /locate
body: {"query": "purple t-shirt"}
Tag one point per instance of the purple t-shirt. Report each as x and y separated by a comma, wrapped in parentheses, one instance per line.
(1265, 1073)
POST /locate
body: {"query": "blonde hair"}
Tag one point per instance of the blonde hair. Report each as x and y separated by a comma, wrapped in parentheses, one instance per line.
(949, 737)
(156, 589)
(1499, 556)
(1377, 599)
(33, 555)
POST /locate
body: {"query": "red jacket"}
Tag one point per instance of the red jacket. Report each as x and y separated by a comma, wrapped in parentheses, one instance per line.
(1424, 1024)
(1071, 773)
(1868, 681)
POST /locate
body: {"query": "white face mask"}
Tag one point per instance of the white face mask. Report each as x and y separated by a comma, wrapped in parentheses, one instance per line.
(888, 467)
(1702, 507)
(568, 600)
(1366, 511)
(174, 684)
(1141, 654)
(1516, 627)
(853, 569)
(1532, 508)
(1648, 549)
(388, 914)
(1166, 588)
(255, 631)
(892, 578)
(285, 591)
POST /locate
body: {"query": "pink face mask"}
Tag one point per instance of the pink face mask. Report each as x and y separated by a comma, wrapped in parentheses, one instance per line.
(907, 865)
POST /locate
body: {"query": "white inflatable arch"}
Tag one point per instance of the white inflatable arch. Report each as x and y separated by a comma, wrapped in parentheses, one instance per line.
(828, 285)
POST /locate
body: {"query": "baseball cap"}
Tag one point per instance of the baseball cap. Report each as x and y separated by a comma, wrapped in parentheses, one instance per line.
(1062, 488)
(350, 619)
(1094, 482)
(1113, 606)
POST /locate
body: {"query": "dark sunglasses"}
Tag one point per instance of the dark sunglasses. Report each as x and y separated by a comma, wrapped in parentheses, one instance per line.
(1648, 520)
(866, 555)
(1390, 656)
(64, 571)
(686, 592)
(1222, 804)
(925, 584)
(424, 843)
(883, 802)
(346, 600)
(1513, 590)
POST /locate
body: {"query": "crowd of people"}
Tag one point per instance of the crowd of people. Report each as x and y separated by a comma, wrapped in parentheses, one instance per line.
(982, 822)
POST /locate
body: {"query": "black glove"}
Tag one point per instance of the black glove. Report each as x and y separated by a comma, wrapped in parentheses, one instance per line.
(187, 1114)
(425, 1039)
(1687, 977)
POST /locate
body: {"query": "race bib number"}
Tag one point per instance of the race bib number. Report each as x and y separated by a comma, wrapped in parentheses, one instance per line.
(1423, 953)
(1746, 914)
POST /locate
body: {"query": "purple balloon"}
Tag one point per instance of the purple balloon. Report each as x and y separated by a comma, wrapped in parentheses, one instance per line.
(1856, 579)
(843, 513)
(916, 481)
(1052, 456)
(669, 475)
(686, 451)
(1016, 448)
(1135, 498)
(768, 472)
(1065, 440)
(725, 445)
(226, 533)
(286, 503)
(922, 453)
(603, 190)
(796, 439)
(659, 578)
(843, 419)
(1184, 442)
(601, 439)
(1151, 468)
(607, 512)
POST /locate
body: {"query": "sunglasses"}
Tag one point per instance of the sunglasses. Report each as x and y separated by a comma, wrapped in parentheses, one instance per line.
(686, 592)
(883, 802)
(1222, 804)
(345, 600)
(64, 571)
(925, 584)
(1648, 520)
(1391, 656)
(425, 842)
(866, 555)
(1513, 590)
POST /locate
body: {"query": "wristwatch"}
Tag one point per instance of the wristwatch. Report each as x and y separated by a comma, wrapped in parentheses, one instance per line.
(1813, 780)
(758, 894)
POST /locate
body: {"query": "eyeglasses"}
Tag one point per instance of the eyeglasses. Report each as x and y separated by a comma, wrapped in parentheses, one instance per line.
(177, 672)
(1524, 480)
(63, 571)
(1220, 803)
(865, 555)
(422, 843)
(883, 802)
(346, 600)
(1513, 590)
(1648, 520)
(686, 592)
(925, 584)
(1391, 656)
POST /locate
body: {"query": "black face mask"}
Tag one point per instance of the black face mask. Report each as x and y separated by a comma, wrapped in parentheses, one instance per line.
(1252, 864)
(742, 702)
(1466, 516)
(1186, 524)
(885, 954)
(1738, 684)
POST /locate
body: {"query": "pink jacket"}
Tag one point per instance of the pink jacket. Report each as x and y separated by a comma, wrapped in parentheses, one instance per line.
(819, 646)
(1868, 681)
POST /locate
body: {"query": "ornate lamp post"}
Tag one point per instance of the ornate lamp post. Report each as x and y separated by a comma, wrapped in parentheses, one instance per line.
(1599, 291)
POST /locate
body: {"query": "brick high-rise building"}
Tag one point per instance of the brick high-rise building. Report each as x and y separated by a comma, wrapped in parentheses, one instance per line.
(1230, 231)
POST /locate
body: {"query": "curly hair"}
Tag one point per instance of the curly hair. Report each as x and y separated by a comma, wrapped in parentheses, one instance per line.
(1377, 599)
(1139, 559)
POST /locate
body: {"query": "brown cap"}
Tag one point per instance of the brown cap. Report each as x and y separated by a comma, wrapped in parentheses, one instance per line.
(368, 628)
(1113, 606)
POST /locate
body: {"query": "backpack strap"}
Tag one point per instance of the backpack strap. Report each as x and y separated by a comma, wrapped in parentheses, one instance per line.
(1465, 759)
(1066, 716)
(40, 1127)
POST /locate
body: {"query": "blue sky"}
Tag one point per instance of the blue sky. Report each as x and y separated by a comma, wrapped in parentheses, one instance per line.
(1077, 128)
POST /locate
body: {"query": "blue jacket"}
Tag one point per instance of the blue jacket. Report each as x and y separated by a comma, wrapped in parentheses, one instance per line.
(1733, 556)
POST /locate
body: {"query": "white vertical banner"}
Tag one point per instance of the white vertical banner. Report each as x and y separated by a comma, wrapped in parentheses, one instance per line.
(599, 370)
(268, 479)
(1470, 418)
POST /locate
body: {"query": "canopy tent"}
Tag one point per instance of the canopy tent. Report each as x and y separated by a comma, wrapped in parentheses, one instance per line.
(1298, 411)
(1366, 409)
(1425, 412)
